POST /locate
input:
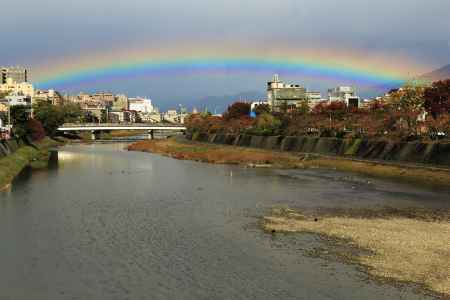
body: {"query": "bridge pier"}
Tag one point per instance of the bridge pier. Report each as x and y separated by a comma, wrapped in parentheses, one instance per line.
(151, 134)
(94, 135)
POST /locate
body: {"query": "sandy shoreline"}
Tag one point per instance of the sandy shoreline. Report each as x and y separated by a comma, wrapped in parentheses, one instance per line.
(397, 246)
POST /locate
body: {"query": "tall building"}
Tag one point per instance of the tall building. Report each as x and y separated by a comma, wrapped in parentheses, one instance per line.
(280, 94)
(17, 74)
(13, 87)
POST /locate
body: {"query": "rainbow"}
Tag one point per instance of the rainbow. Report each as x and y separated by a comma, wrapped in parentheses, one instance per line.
(343, 65)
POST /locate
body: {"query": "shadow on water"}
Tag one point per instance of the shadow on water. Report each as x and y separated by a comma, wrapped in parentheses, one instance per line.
(28, 172)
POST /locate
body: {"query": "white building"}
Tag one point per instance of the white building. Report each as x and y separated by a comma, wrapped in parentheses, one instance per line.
(255, 104)
(17, 100)
(141, 105)
(173, 116)
(345, 94)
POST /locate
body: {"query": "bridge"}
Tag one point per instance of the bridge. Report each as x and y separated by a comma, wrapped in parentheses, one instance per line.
(95, 128)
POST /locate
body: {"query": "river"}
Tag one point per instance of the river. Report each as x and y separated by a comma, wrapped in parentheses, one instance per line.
(104, 223)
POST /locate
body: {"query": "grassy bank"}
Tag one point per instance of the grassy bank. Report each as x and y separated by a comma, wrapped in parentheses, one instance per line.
(224, 154)
(11, 165)
(397, 246)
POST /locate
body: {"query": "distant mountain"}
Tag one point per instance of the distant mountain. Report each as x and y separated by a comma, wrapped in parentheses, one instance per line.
(439, 74)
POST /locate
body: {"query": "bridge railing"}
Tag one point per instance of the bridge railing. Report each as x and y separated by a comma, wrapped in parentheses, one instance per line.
(137, 125)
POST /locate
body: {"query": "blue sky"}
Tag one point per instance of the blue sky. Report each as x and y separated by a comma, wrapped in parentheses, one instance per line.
(35, 31)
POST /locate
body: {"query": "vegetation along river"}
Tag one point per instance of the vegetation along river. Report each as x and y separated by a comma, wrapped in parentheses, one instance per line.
(105, 223)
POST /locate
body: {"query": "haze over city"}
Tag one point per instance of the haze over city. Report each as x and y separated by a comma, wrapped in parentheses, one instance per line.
(212, 48)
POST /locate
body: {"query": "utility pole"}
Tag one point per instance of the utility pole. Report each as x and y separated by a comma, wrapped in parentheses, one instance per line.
(9, 117)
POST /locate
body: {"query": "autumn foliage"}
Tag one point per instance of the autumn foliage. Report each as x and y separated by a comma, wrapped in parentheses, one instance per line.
(35, 129)
(405, 114)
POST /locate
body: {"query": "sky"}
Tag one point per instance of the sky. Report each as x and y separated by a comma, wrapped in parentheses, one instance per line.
(93, 45)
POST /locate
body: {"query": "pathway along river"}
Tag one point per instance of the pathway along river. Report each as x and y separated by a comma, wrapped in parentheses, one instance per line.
(104, 223)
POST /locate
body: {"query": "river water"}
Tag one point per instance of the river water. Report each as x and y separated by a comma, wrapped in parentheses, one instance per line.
(104, 223)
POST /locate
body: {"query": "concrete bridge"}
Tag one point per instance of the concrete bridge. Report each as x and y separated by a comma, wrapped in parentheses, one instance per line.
(96, 128)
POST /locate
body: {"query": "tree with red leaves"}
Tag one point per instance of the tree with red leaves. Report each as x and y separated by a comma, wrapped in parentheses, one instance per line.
(35, 130)
(437, 98)
(237, 110)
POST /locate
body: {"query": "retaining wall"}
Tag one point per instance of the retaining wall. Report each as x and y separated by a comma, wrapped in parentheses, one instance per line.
(10, 146)
(416, 152)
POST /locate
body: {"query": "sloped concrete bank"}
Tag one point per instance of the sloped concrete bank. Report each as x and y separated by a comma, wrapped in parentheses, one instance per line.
(412, 152)
(15, 155)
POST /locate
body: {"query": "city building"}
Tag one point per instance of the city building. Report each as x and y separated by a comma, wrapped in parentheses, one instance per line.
(16, 100)
(13, 87)
(314, 98)
(284, 96)
(124, 116)
(141, 105)
(173, 116)
(105, 97)
(345, 94)
(120, 103)
(17, 74)
(51, 96)
(255, 104)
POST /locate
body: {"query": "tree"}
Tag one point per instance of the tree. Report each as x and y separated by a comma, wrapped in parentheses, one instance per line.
(89, 117)
(237, 110)
(19, 118)
(267, 124)
(303, 109)
(50, 116)
(3, 95)
(35, 130)
(72, 113)
(408, 105)
(437, 98)
(262, 109)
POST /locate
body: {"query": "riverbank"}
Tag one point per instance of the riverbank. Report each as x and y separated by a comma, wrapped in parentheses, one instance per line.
(392, 245)
(254, 157)
(36, 157)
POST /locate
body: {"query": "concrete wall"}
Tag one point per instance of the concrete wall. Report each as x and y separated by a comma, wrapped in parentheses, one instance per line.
(416, 152)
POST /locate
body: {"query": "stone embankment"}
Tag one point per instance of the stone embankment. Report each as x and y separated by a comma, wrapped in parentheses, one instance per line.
(411, 152)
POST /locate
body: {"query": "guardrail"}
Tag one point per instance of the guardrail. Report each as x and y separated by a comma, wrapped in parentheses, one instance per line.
(137, 125)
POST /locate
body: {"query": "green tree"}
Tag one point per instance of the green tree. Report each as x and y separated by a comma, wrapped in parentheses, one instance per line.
(267, 124)
(49, 115)
(72, 113)
(19, 118)
(52, 116)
